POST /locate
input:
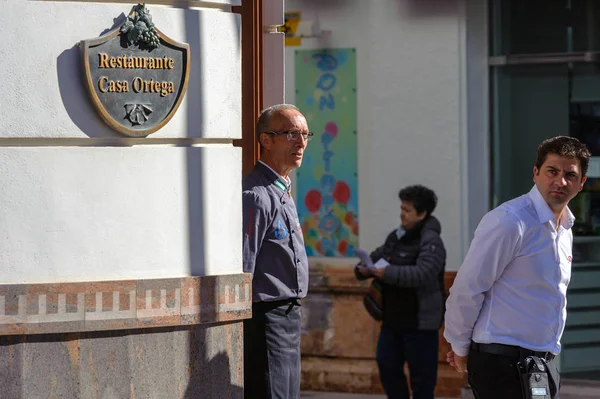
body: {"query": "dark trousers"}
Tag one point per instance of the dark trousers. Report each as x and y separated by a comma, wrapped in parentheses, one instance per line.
(497, 377)
(272, 351)
(420, 350)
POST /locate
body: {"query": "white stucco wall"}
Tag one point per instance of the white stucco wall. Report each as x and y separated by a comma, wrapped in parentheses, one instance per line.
(411, 106)
(79, 201)
(42, 69)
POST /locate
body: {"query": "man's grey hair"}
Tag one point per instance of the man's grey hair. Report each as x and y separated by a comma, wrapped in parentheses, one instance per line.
(264, 121)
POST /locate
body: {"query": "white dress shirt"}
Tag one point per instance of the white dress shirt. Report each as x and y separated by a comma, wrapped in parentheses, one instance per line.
(511, 288)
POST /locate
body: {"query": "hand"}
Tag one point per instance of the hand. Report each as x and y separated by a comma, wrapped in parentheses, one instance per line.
(459, 363)
(365, 271)
(378, 273)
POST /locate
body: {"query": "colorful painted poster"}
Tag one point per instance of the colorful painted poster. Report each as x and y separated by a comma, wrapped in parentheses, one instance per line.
(327, 182)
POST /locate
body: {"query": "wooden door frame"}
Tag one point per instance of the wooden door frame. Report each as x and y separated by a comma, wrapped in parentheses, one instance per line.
(251, 12)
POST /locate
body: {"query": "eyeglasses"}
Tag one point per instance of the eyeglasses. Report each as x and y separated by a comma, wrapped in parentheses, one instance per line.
(293, 135)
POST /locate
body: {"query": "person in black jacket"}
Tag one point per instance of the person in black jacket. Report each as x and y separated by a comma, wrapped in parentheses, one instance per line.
(413, 297)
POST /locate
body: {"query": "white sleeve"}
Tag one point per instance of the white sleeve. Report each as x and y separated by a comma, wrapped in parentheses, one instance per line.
(495, 244)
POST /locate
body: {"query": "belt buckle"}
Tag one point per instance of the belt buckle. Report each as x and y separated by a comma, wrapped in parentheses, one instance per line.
(544, 355)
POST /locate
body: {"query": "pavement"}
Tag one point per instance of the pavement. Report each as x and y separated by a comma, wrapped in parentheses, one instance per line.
(580, 389)
(337, 395)
(571, 389)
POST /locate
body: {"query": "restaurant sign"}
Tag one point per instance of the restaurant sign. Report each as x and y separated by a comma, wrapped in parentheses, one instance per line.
(135, 75)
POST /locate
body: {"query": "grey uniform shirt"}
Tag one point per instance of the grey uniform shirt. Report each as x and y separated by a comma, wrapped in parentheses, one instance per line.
(273, 244)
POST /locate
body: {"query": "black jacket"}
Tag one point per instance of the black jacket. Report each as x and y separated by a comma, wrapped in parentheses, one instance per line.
(413, 283)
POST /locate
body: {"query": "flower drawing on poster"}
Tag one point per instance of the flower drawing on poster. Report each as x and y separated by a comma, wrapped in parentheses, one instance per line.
(327, 181)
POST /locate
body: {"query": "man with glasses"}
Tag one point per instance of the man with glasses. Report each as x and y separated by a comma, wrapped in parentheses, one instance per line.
(274, 253)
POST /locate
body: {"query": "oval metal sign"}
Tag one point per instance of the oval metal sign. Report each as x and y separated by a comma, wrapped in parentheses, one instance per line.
(136, 76)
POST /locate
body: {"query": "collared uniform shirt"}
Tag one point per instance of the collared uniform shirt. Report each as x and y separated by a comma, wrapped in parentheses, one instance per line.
(273, 243)
(512, 286)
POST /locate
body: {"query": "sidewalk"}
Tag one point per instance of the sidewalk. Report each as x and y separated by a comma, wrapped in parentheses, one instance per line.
(580, 389)
(571, 389)
(334, 395)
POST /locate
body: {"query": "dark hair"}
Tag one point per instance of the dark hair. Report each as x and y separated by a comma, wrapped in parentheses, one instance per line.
(421, 197)
(564, 146)
(264, 121)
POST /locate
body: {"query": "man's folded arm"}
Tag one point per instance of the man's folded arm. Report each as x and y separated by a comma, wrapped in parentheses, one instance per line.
(254, 228)
(495, 244)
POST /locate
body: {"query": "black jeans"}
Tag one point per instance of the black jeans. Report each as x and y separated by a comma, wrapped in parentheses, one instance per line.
(272, 351)
(420, 350)
(496, 376)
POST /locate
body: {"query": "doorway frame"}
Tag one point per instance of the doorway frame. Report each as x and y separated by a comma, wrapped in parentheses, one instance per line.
(251, 12)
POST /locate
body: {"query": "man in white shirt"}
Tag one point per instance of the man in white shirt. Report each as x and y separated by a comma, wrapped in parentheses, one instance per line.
(508, 300)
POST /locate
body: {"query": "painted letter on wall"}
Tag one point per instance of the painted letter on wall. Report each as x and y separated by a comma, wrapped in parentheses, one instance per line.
(327, 182)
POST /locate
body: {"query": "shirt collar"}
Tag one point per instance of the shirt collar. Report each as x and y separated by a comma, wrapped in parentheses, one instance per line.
(544, 212)
(286, 182)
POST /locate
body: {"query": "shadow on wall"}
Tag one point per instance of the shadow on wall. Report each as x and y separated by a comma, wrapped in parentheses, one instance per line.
(214, 376)
(324, 4)
(11, 372)
(212, 379)
(194, 94)
(195, 197)
(210, 375)
(411, 8)
(120, 364)
(428, 8)
(195, 166)
(73, 91)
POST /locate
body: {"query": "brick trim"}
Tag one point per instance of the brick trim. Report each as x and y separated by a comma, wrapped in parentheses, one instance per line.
(118, 305)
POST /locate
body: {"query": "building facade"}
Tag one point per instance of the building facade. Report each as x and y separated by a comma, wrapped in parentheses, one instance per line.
(455, 95)
(121, 254)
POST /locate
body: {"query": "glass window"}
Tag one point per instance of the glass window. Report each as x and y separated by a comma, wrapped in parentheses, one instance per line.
(544, 26)
(585, 25)
(529, 26)
(530, 104)
(538, 99)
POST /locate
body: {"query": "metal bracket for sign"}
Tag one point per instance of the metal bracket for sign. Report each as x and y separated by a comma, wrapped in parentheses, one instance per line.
(305, 29)
(274, 29)
(136, 76)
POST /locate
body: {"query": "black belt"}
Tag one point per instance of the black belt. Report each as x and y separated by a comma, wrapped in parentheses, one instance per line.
(513, 351)
(267, 306)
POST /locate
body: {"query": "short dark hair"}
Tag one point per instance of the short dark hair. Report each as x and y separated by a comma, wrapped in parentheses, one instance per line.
(421, 197)
(566, 147)
(264, 121)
